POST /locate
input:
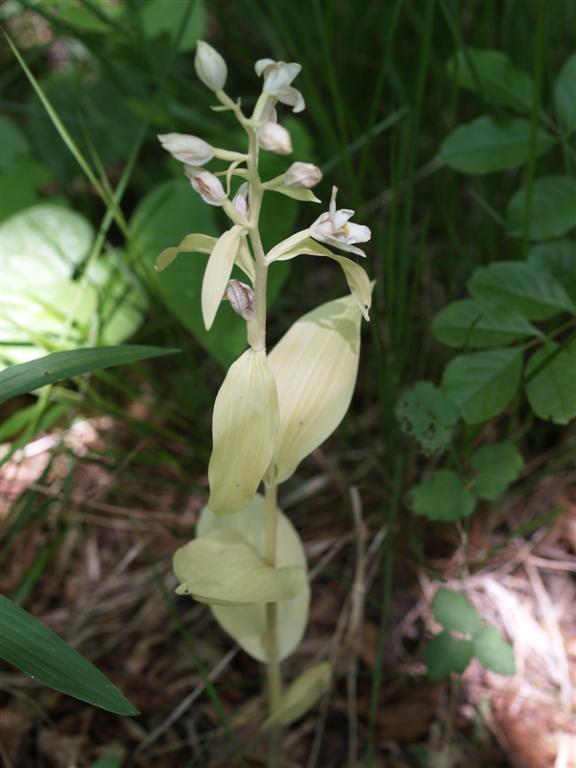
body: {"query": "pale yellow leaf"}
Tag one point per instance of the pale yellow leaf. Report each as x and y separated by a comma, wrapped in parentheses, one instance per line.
(246, 624)
(217, 273)
(195, 243)
(301, 696)
(244, 429)
(223, 568)
(315, 366)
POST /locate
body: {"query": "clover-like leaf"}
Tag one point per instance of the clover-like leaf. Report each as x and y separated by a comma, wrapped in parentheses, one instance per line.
(442, 497)
(445, 655)
(223, 568)
(493, 651)
(454, 611)
(427, 415)
(496, 466)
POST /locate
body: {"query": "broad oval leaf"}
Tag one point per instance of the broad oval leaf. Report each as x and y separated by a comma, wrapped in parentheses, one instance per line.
(427, 415)
(27, 377)
(454, 611)
(470, 323)
(565, 94)
(552, 212)
(558, 259)
(244, 429)
(520, 286)
(224, 568)
(489, 144)
(493, 651)
(482, 384)
(30, 646)
(551, 382)
(442, 497)
(315, 365)
(496, 466)
(301, 696)
(493, 77)
(218, 271)
(246, 624)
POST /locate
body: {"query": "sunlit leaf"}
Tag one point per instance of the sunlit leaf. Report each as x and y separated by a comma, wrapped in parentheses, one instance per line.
(224, 568)
(218, 271)
(315, 366)
(244, 429)
(469, 323)
(301, 696)
(246, 624)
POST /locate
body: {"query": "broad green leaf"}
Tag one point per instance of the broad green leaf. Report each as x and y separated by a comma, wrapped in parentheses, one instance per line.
(442, 497)
(553, 209)
(496, 466)
(493, 652)
(15, 145)
(558, 259)
(244, 431)
(565, 94)
(315, 365)
(489, 144)
(470, 323)
(224, 568)
(159, 19)
(482, 384)
(301, 696)
(428, 416)
(551, 382)
(21, 379)
(42, 245)
(444, 655)
(246, 624)
(520, 286)
(30, 646)
(19, 187)
(164, 217)
(454, 611)
(492, 76)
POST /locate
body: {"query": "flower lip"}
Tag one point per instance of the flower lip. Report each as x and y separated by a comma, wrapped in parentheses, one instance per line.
(278, 77)
(335, 228)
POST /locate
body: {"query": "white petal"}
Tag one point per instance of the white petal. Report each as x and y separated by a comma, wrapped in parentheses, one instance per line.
(358, 233)
(244, 429)
(262, 64)
(292, 98)
(188, 149)
(217, 272)
(315, 365)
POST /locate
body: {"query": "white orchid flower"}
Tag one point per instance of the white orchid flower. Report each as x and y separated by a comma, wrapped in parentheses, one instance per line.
(278, 77)
(208, 186)
(187, 149)
(303, 175)
(275, 138)
(334, 228)
(210, 66)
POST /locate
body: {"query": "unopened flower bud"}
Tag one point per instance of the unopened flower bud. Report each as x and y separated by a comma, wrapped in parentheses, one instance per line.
(208, 186)
(241, 298)
(275, 138)
(188, 149)
(210, 66)
(241, 201)
(305, 175)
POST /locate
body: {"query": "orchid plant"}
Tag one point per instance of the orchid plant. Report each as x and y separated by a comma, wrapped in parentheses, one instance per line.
(247, 561)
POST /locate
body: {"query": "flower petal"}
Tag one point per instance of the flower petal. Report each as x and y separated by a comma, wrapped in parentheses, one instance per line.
(292, 98)
(358, 233)
(224, 568)
(218, 272)
(315, 366)
(244, 429)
